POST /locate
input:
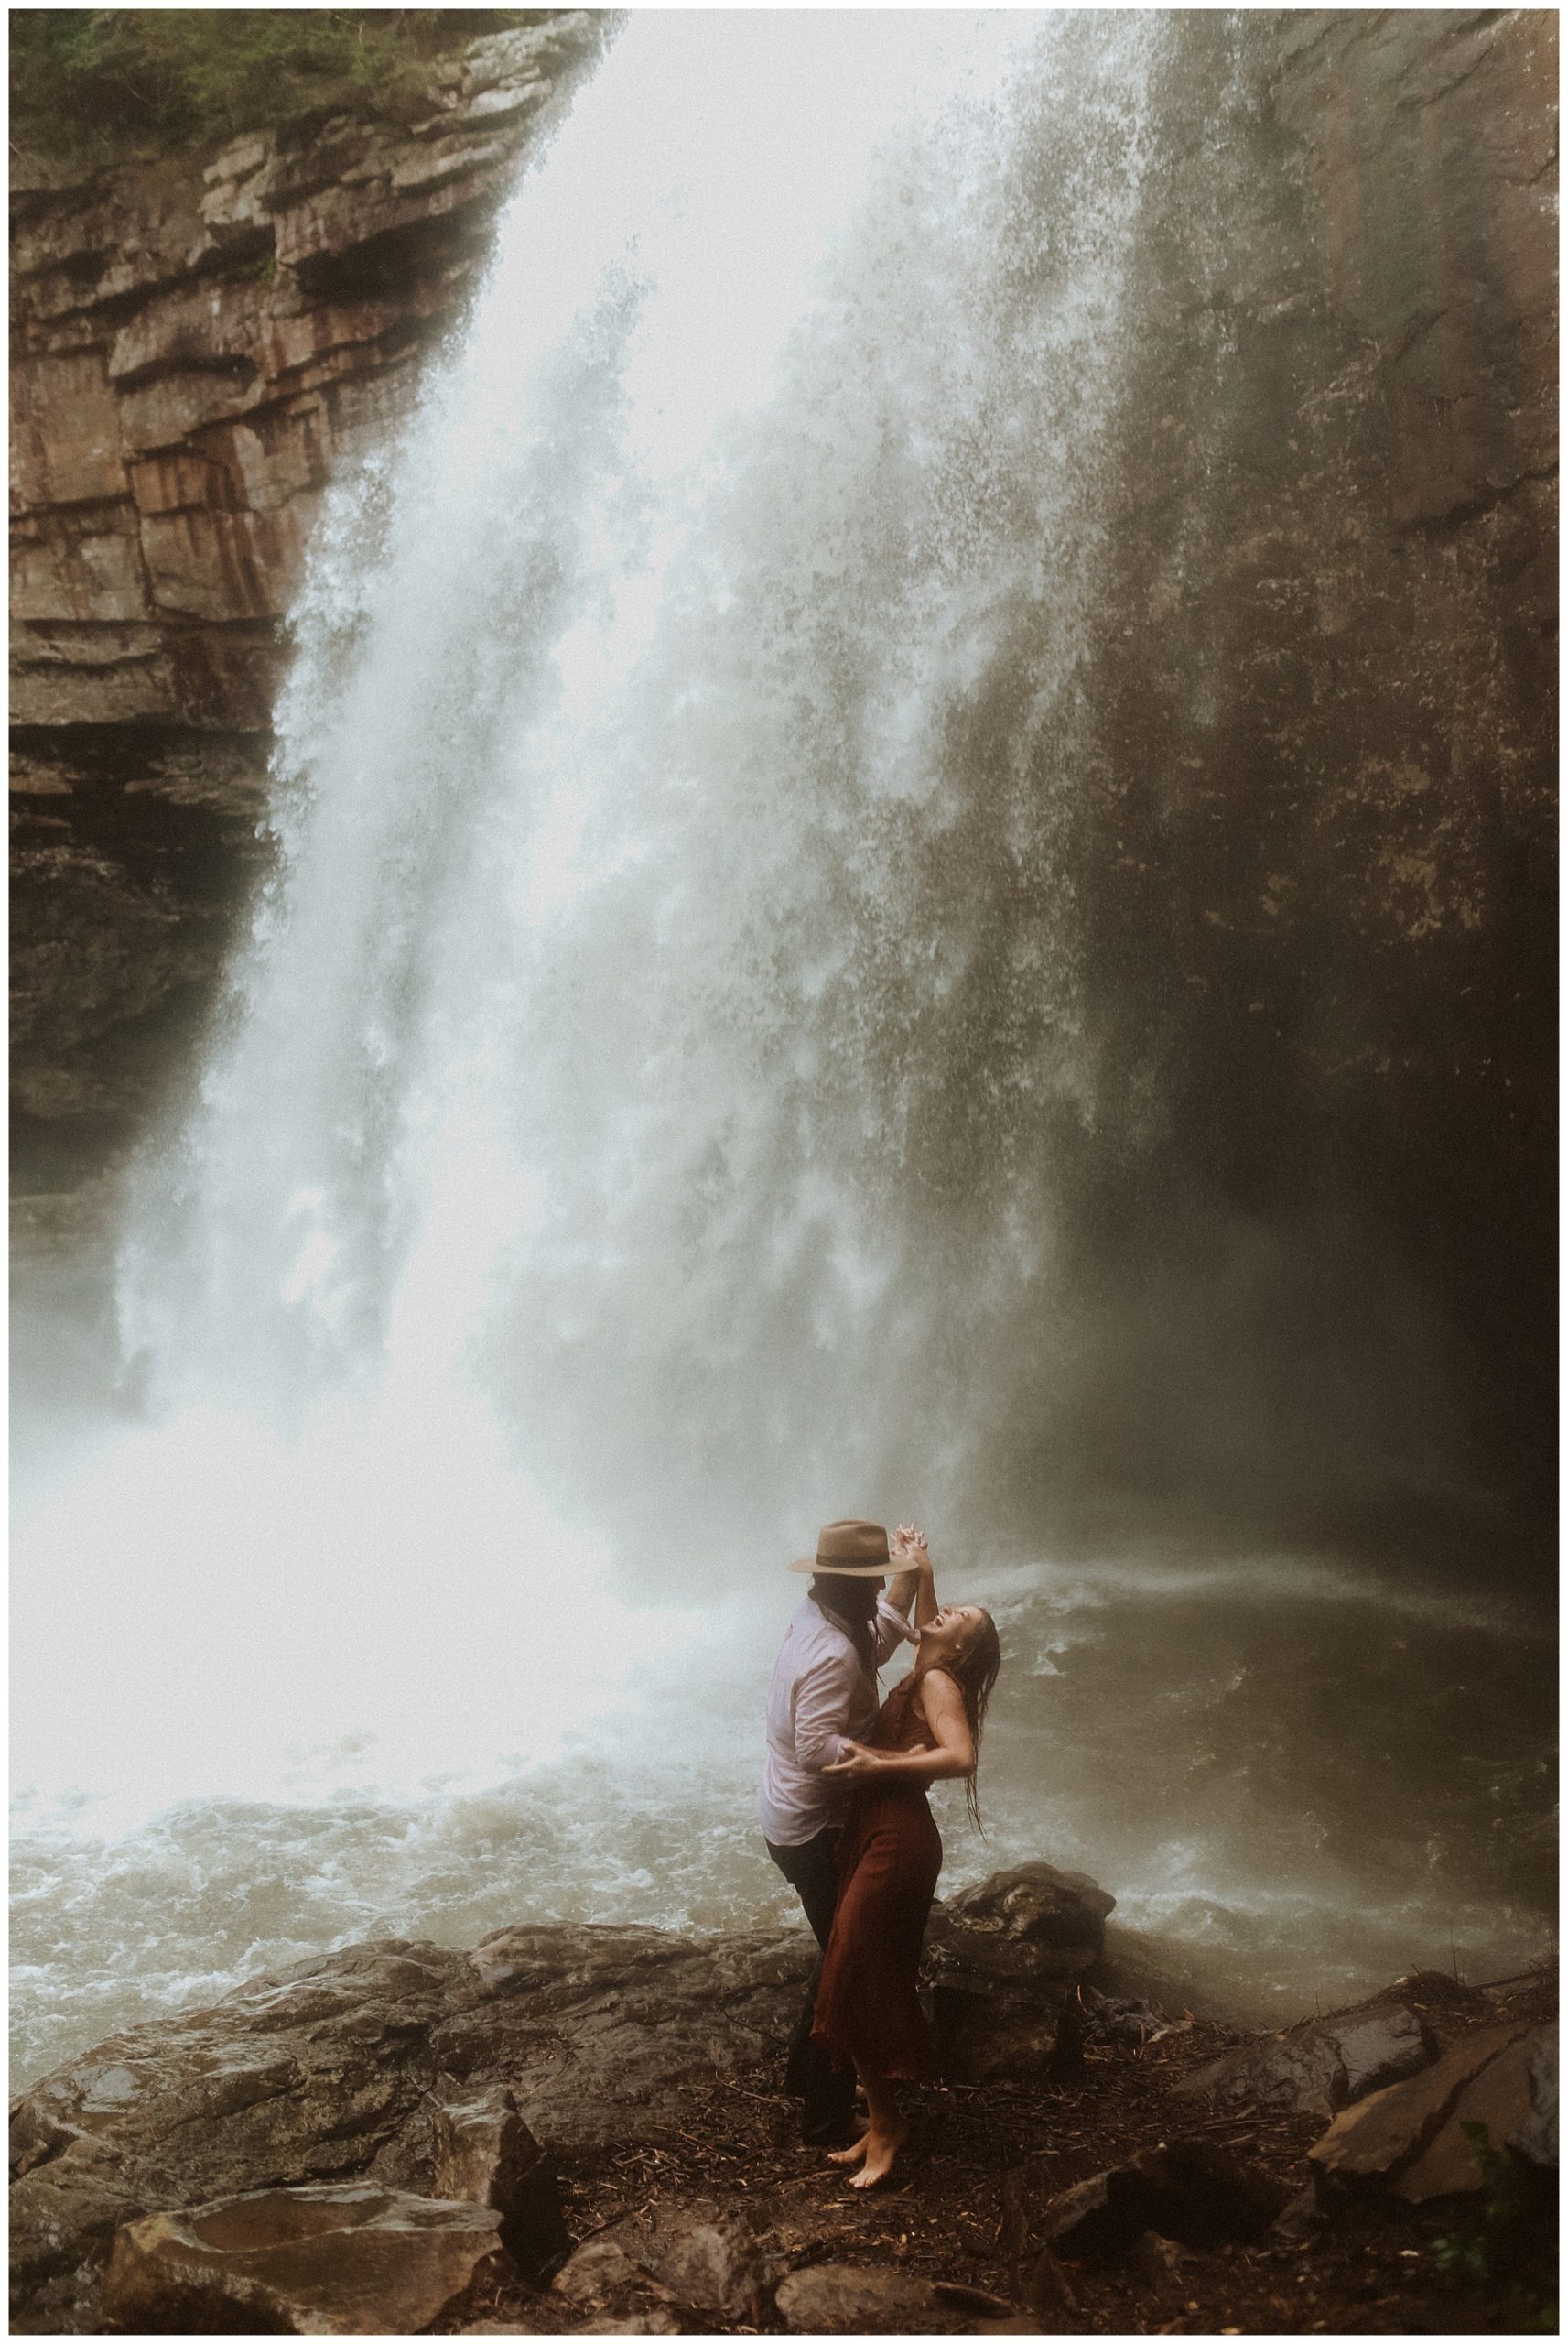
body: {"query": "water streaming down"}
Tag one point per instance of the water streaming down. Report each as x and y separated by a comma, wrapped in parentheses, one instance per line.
(630, 1135)
(602, 986)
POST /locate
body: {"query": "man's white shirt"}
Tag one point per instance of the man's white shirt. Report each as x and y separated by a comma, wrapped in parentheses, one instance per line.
(820, 1698)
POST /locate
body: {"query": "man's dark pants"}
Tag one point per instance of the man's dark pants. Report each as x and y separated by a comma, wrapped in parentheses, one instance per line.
(812, 1871)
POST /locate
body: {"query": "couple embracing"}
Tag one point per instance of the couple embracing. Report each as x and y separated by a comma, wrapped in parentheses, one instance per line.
(844, 1813)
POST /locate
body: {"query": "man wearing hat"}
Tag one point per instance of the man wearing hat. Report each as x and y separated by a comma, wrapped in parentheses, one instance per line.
(824, 1694)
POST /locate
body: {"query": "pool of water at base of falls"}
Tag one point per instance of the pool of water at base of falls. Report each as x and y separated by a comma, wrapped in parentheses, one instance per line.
(1298, 1784)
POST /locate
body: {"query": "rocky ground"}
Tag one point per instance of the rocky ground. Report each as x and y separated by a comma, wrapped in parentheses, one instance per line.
(581, 2130)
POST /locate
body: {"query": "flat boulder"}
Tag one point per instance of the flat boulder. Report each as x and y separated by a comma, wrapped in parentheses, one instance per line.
(332, 2259)
(1321, 2064)
(411, 2066)
(1410, 2142)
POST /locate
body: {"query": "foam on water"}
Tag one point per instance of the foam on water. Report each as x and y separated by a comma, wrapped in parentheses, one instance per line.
(1275, 1848)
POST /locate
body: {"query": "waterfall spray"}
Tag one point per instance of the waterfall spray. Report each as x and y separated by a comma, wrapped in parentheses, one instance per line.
(627, 1025)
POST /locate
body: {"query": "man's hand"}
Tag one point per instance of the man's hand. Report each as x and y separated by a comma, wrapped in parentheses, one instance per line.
(910, 1547)
(859, 1761)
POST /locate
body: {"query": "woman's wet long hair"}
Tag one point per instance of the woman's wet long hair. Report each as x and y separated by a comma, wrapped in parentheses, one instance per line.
(974, 1672)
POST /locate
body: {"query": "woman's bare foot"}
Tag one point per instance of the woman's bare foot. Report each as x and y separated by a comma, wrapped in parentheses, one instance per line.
(878, 2151)
(852, 2152)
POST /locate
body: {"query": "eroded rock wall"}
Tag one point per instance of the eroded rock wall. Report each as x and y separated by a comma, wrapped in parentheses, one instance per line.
(198, 346)
(1316, 863)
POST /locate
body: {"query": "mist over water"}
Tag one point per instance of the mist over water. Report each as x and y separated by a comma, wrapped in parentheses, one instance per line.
(632, 1133)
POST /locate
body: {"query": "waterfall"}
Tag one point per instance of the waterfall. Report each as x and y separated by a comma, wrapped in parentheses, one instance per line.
(674, 1091)
(666, 995)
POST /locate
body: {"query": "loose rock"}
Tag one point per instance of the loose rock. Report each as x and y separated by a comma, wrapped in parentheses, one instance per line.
(1051, 2294)
(1409, 2142)
(601, 2270)
(709, 2256)
(1325, 2064)
(328, 2261)
(483, 2153)
(1534, 2137)
(1003, 1959)
(844, 2299)
(1186, 2190)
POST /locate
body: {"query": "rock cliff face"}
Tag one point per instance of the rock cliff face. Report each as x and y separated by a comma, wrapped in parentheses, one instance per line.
(197, 347)
(1311, 834)
(1318, 853)
(1312, 853)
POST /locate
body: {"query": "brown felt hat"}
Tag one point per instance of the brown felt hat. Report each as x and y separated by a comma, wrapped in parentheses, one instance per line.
(850, 1550)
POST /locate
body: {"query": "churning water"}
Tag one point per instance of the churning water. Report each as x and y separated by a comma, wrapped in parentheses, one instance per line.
(627, 1139)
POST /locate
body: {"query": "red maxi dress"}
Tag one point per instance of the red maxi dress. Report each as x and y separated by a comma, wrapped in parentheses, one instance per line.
(891, 1853)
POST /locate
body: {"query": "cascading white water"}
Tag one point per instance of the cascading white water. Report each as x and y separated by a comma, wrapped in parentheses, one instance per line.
(599, 1030)
(559, 1190)
(602, 1020)
(626, 1141)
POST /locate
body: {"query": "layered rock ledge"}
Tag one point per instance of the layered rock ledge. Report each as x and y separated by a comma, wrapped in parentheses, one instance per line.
(196, 348)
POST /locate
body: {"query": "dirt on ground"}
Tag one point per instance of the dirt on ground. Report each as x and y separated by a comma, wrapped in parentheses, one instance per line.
(964, 2207)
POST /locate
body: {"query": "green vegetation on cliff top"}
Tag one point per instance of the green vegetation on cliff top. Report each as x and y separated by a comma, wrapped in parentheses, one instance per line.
(121, 83)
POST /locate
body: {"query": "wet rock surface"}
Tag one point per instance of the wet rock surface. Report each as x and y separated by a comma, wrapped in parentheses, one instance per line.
(325, 2261)
(438, 2072)
(583, 2131)
(1324, 2064)
(133, 854)
(1412, 2140)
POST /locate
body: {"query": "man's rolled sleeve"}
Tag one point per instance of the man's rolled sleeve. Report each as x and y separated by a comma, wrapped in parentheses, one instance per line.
(893, 1629)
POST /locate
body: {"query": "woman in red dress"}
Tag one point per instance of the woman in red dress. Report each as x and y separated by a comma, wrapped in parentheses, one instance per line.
(928, 1729)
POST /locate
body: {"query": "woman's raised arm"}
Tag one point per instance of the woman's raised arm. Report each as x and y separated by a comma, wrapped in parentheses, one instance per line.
(915, 1582)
